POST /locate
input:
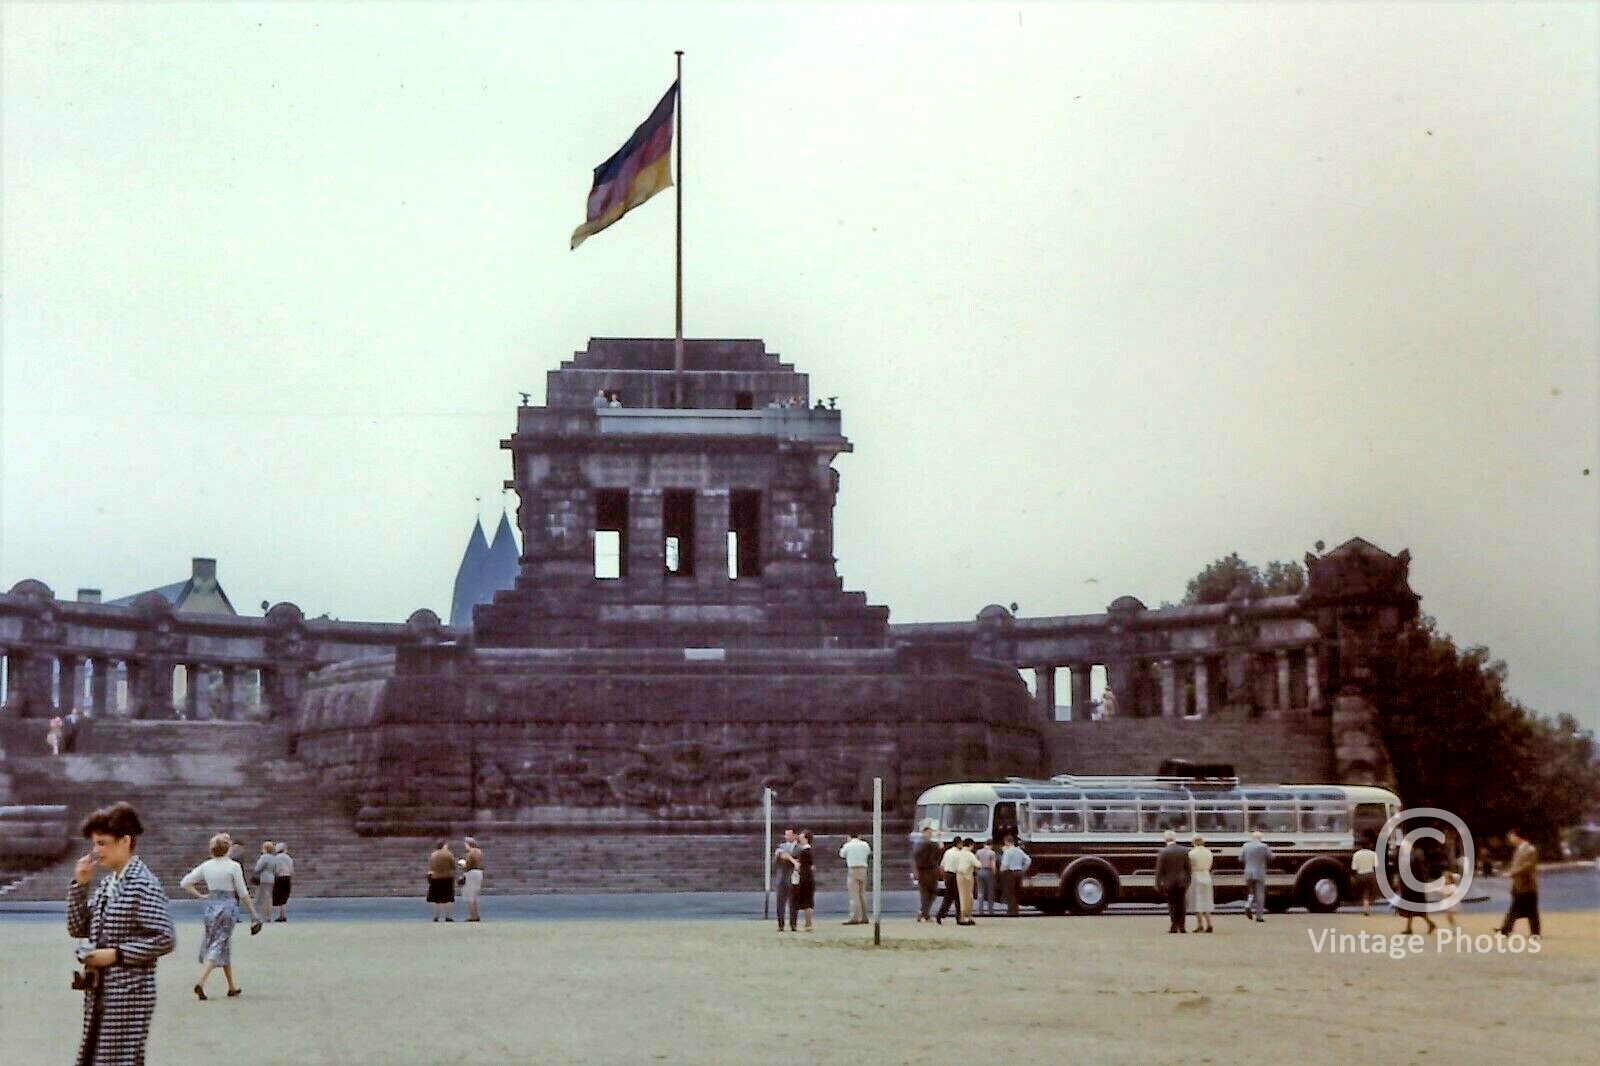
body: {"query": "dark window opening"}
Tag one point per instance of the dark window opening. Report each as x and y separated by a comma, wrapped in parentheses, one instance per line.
(677, 526)
(744, 533)
(611, 533)
(744, 401)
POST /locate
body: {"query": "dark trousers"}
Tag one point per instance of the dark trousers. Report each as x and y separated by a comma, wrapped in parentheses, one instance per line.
(949, 897)
(1523, 905)
(927, 884)
(1010, 888)
(1175, 905)
(783, 896)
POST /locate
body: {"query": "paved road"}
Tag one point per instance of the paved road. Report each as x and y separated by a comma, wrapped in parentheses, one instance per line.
(1559, 890)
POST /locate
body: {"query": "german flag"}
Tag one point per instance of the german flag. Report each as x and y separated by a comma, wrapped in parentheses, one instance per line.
(640, 168)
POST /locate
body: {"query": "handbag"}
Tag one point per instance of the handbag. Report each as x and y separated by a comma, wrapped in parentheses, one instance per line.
(794, 877)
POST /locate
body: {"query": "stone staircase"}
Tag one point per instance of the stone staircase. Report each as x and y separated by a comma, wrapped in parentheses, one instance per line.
(192, 779)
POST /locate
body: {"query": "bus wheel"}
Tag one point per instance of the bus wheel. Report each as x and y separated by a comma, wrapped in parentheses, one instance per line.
(1321, 888)
(1089, 891)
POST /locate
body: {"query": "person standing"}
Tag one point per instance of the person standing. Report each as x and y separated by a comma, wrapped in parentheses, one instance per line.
(856, 852)
(1255, 856)
(925, 869)
(1414, 866)
(442, 882)
(784, 871)
(803, 893)
(282, 879)
(266, 872)
(225, 888)
(986, 871)
(1364, 876)
(128, 921)
(947, 870)
(966, 869)
(1524, 873)
(1172, 880)
(1014, 863)
(52, 734)
(1202, 900)
(472, 886)
(69, 731)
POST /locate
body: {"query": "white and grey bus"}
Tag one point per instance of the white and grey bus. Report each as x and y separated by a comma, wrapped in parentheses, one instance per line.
(1093, 840)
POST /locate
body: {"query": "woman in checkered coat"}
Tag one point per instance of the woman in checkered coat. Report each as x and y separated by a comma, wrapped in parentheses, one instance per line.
(127, 920)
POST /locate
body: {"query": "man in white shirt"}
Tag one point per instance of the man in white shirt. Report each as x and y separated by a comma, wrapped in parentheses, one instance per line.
(1364, 866)
(948, 865)
(1014, 863)
(856, 853)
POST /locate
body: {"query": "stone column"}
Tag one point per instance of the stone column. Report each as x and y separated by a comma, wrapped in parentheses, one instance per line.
(1044, 685)
(192, 679)
(28, 684)
(647, 550)
(1080, 692)
(1283, 680)
(1313, 679)
(1202, 688)
(102, 682)
(1169, 688)
(711, 539)
(229, 711)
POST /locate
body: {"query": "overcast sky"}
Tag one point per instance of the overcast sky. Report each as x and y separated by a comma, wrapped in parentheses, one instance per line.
(1105, 293)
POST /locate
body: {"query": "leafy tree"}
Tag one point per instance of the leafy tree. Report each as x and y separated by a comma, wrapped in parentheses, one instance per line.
(1217, 581)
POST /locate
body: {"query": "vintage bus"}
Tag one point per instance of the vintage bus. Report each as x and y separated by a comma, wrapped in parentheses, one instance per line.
(1093, 840)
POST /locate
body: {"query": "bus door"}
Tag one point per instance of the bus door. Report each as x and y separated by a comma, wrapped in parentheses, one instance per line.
(1005, 822)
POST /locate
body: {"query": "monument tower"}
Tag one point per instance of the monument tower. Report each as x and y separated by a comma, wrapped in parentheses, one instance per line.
(677, 637)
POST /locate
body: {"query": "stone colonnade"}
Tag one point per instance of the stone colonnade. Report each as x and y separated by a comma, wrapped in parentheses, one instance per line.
(148, 660)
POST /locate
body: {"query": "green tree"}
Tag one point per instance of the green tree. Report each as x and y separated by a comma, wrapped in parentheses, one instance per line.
(1217, 581)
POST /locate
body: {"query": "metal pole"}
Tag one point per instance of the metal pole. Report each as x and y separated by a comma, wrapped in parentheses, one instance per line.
(766, 859)
(877, 859)
(677, 342)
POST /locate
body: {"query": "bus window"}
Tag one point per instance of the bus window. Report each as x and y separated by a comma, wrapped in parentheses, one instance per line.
(1272, 812)
(925, 814)
(1216, 814)
(966, 818)
(1160, 812)
(1109, 814)
(1056, 818)
(1324, 816)
(1005, 821)
(1368, 820)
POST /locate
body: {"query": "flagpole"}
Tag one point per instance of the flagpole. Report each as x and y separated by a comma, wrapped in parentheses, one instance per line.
(677, 340)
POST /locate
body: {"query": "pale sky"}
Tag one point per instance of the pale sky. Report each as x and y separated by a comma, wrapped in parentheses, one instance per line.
(1105, 292)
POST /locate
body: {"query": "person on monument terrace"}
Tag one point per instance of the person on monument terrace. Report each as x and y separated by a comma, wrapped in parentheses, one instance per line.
(442, 882)
(129, 926)
(600, 400)
(53, 735)
(472, 883)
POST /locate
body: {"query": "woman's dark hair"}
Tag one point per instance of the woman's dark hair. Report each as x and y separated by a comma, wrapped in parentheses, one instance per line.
(118, 820)
(806, 835)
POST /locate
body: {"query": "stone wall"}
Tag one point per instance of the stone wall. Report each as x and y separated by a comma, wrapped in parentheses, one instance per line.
(1292, 748)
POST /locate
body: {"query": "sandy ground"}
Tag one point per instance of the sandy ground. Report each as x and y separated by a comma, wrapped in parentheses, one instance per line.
(1113, 989)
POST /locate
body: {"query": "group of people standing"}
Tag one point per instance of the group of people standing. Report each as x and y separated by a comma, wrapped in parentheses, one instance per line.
(970, 872)
(445, 872)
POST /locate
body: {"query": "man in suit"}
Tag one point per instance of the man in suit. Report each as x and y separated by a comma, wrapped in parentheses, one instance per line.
(1172, 880)
(1524, 873)
(925, 868)
(1255, 856)
(782, 871)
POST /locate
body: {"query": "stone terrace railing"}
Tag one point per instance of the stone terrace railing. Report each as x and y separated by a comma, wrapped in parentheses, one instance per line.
(114, 661)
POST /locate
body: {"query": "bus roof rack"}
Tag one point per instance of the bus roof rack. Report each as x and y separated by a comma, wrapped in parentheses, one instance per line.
(1134, 781)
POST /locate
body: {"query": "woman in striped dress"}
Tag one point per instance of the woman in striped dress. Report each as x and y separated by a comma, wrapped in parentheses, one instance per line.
(225, 890)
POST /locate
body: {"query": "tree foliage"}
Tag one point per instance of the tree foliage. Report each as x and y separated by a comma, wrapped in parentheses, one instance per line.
(1456, 739)
(1216, 582)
